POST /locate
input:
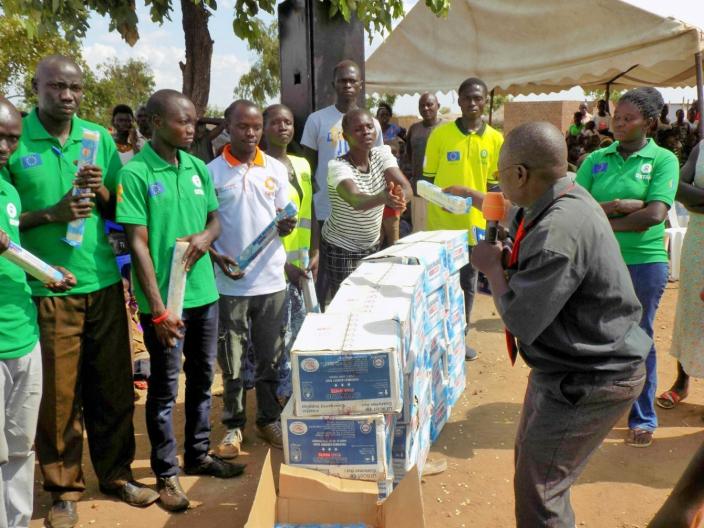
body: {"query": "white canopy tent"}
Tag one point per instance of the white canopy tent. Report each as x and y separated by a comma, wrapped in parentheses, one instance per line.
(536, 46)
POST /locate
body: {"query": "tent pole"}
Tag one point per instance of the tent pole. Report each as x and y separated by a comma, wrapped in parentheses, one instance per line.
(491, 105)
(608, 96)
(700, 91)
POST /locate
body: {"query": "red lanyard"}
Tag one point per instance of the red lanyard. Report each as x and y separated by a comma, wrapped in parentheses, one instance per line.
(511, 341)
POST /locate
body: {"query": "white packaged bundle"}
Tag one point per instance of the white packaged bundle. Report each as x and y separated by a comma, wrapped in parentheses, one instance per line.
(416, 394)
(355, 447)
(456, 376)
(372, 292)
(454, 242)
(430, 256)
(347, 364)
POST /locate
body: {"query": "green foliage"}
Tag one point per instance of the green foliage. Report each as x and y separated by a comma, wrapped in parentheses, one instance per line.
(130, 82)
(262, 82)
(596, 94)
(214, 111)
(499, 101)
(371, 102)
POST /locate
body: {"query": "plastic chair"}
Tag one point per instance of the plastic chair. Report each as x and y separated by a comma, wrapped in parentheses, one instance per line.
(675, 236)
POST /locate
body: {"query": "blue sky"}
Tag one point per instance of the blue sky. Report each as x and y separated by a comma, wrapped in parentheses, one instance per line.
(162, 47)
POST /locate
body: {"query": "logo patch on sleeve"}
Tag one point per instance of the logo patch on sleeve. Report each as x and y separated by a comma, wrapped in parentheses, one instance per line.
(155, 189)
(31, 160)
(600, 167)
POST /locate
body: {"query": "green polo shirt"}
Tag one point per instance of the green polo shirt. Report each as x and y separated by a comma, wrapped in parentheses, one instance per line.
(18, 317)
(173, 202)
(42, 171)
(651, 174)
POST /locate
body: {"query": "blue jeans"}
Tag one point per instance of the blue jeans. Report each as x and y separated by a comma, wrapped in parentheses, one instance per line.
(649, 281)
(199, 347)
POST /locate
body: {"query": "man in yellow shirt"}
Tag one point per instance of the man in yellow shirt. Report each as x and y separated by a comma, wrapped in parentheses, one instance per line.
(464, 153)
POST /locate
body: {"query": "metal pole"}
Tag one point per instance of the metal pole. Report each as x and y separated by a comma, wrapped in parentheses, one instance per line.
(491, 105)
(700, 92)
(607, 97)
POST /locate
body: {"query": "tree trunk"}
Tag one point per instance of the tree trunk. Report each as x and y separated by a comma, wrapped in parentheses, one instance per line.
(199, 53)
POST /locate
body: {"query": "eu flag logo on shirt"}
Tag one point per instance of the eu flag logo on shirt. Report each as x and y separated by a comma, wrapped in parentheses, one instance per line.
(453, 155)
(600, 167)
(156, 189)
(31, 160)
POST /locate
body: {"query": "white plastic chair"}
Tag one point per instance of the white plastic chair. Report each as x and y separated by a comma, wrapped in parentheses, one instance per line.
(675, 236)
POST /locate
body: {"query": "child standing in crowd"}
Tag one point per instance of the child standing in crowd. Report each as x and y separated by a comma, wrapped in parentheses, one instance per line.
(166, 194)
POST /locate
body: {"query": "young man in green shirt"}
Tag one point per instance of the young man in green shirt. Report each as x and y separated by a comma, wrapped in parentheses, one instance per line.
(164, 195)
(84, 335)
(20, 357)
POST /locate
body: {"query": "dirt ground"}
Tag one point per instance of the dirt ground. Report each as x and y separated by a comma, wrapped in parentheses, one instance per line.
(621, 487)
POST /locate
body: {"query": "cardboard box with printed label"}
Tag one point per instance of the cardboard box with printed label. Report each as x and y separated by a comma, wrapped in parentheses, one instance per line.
(425, 254)
(454, 243)
(306, 497)
(355, 447)
(347, 364)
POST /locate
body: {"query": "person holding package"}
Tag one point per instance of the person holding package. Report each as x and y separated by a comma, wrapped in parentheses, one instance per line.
(84, 333)
(585, 371)
(464, 154)
(20, 356)
(164, 195)
(251, 187)
(360, 184)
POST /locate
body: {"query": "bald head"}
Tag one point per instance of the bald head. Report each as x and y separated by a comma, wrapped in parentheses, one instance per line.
(539, 146)
(53, 64)
(10, 130)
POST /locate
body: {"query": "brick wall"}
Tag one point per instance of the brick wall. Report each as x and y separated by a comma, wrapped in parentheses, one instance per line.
(559, 113)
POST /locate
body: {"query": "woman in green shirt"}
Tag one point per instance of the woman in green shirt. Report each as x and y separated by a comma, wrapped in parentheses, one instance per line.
(635, 181)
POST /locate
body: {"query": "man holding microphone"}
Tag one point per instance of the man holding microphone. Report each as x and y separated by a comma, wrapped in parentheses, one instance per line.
(585, 371)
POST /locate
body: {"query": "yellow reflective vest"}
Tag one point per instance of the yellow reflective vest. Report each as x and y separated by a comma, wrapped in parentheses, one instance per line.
(297, 243)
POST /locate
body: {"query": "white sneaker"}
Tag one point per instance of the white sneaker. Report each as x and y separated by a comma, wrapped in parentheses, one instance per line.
(230, 446)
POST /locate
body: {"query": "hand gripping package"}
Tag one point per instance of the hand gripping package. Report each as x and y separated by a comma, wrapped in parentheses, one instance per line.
(449, 202)
(389, 291)
(347, 364)
(354, 447)
(454, 243)
(426, 254)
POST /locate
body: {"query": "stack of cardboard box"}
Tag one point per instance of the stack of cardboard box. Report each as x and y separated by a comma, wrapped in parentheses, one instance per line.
(376, 375)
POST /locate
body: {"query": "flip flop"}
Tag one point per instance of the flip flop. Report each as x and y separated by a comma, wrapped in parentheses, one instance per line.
(669, 399)
(639, 438)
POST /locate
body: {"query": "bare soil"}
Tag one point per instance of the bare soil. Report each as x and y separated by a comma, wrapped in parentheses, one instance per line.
(622, 487)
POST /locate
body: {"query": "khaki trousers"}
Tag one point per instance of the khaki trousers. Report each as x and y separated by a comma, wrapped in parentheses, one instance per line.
(87, 380)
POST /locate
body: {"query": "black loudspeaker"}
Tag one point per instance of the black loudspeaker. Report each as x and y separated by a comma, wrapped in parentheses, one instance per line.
(311, 44)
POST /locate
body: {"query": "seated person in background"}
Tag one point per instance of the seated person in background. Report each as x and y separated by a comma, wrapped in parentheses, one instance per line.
(574, 129)
(588, 131)
(602, 118)
(590, 145)
(670, 139)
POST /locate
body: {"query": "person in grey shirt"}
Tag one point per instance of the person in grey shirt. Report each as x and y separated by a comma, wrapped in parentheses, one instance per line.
(568, 303)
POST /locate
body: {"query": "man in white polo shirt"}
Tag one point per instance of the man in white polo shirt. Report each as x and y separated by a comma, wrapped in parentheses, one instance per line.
(251, 186)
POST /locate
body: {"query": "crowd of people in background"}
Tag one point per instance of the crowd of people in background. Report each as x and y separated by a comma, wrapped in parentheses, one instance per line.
(163, 175)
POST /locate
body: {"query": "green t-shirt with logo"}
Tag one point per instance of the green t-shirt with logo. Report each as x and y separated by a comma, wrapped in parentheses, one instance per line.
(651, 174)
(18, 316)
(173, 202)
(42, 171)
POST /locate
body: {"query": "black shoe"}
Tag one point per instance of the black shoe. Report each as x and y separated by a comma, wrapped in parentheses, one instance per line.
(215, 466)
(133, 493)
(62, 514)
(470, 354)
(171, 494)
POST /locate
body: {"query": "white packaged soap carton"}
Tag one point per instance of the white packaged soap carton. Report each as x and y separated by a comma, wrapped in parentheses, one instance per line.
(416, 393)
(404, 302)
(426, 254)
(347, 364)
(355, 447)
(454, 242)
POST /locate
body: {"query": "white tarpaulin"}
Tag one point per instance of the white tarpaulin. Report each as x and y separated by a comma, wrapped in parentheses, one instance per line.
(534, 46)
